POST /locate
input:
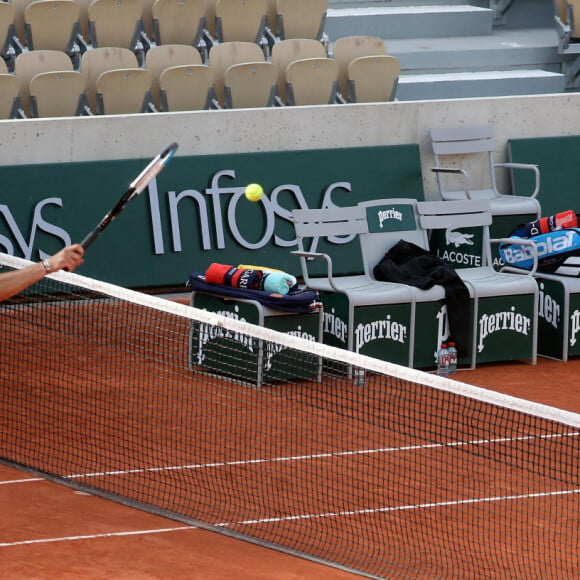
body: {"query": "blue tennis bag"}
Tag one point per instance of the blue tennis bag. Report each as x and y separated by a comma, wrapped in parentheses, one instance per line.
(558, 252)
(297, 300)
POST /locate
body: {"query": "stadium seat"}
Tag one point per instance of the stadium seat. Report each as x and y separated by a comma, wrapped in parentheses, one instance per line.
(164, 56)
(241, 20)
(298, 19)
(8, 35)
(19, 9)
(287, 51)
(9, 96)
(224, 55)
(312, 81)
(84, 19)
(250, 85)
(30, 63)
(476, 144)
(123, 92)
(54, 25)
(373, 79)
(179, 22)
(58, 94)
(187, 88)
(348, 48)
(118, 23)
(98, 60)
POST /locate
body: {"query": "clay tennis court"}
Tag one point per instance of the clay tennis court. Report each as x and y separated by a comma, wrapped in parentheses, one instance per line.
(49, 531)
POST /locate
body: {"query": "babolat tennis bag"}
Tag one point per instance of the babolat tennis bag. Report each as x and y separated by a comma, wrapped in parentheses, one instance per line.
(557, 241)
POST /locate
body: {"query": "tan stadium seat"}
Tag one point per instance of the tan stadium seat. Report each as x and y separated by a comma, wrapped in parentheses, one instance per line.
(210, 17)
(53, 25)
(178, 21)
(117, 23)
(58, 94)
(312, 81)
(7, 33)
(98, 60)
(347, 48)
(30, 63)
(298, 19)
(186, 88)
(9, 96)
(241, 20)
(373, 79)
(164, 56)
(223, 56)
(287, 51)
(19, 9)
(123, 92)
(250, 85)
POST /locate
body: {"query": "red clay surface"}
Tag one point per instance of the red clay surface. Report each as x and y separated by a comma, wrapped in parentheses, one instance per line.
(43, 524)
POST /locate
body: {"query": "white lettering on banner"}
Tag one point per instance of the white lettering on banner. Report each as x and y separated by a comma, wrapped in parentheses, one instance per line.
(209, 208)
(38, 224)
(459, 258)
(334, 326)
(548, 308)
(574, 326)
(379, 329)
(507, 320)
(209, 332)
(389, 214)
(273, 349)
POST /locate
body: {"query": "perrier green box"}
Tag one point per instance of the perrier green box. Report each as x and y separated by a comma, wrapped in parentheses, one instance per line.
(245, 357)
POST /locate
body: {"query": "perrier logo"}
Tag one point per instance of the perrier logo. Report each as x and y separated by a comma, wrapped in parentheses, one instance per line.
(509, 320)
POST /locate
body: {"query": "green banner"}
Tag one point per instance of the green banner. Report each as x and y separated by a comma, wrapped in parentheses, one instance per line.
(195, 212)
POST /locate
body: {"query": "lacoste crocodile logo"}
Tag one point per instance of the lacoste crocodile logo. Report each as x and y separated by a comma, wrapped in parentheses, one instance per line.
(458, 238)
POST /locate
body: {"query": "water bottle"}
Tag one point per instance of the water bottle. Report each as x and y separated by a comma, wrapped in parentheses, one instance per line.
(452, 358)
(443, 360)
(358, 377)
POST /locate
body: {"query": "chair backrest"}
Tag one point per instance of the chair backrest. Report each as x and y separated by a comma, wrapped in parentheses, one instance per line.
(147, 17)
(30, 63)
(250, 85)
(178, 21)
(186, 88)
(123, 91)
(301, 18)
(84, 19)
(98, 60)
(312, 81)
(9, 95)
(57, 94)
(373, 79)
(115, 22)
(388, 221)
(223, 56)
(19, 9)
(51, 25)
(210, 16)
(164, 56)
(348, 48)
(7, 28)
(287, 51)
(243, 20)
(272, 17)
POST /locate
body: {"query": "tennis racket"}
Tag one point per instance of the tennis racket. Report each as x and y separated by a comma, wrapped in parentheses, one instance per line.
(135, 188)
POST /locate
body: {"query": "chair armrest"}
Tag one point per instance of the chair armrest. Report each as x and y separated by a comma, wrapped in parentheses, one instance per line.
(317, 255)
(527, 167)
(519, 242)
(456, 171)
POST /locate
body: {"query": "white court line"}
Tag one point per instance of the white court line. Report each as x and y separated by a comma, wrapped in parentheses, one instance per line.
(27, 480)
(405, 507)
(94, 536)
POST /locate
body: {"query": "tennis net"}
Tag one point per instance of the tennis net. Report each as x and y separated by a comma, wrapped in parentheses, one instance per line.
(154, 404)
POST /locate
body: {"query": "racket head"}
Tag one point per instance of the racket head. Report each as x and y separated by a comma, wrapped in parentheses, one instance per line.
(153, 169)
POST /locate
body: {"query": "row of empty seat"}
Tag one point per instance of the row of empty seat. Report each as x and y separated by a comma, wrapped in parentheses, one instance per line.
(74, 25)
(174, 78)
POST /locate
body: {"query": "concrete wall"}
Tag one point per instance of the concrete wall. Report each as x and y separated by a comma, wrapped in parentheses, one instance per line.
(293, 128)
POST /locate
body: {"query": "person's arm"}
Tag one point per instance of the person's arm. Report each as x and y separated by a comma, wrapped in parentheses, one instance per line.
(13, 282)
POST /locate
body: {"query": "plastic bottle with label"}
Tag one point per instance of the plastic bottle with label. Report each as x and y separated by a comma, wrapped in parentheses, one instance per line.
(452, 358)
(443, 360)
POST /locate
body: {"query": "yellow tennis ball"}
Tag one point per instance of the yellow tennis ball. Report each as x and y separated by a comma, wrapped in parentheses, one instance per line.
(254, 192)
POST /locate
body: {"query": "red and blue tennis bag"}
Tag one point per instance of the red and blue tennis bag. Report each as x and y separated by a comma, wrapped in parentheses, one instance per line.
(557, 241)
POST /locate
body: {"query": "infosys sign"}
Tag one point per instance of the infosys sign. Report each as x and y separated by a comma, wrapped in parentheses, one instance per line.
(194, 213)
